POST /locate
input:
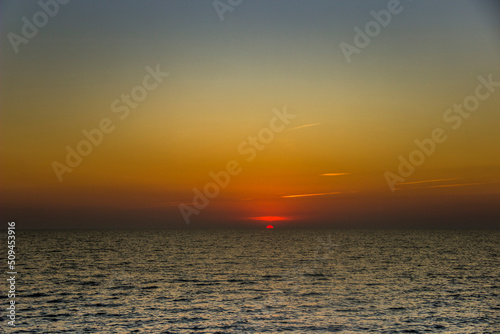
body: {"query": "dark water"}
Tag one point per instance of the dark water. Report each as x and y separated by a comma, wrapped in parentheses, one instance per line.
(269, 281)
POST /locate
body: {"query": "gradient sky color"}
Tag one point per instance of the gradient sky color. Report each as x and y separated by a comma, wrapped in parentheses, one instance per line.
(326, 168)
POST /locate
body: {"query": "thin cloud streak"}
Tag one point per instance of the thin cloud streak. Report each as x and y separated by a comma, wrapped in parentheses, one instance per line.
(455, 185)
(430, 181)
(309, 195)
(334, 174)
(305, 126)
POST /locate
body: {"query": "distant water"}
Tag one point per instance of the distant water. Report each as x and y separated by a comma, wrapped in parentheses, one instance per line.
(265, 281)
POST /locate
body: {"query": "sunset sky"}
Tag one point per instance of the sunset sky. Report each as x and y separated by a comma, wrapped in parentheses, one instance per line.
(227, 80)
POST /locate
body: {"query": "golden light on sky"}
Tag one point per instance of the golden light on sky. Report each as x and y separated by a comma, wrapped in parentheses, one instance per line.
(161, 111)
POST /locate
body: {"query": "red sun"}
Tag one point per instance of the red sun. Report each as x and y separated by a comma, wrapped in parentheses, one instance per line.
(269, 226)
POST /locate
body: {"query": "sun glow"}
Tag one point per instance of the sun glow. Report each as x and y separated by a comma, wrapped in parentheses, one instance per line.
(269, 218)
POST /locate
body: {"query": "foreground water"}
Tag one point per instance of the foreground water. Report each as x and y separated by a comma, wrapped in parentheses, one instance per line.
(269, 281)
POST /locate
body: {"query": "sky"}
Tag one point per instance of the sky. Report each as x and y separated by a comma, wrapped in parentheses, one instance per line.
(312, 118)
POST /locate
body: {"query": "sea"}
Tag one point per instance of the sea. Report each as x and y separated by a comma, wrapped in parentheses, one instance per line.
(256, 281)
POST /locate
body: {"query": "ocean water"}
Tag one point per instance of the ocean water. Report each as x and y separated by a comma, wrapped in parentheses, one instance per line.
(257, 281)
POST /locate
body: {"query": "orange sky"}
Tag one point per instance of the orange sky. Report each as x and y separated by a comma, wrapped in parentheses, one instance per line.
(228, 87)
